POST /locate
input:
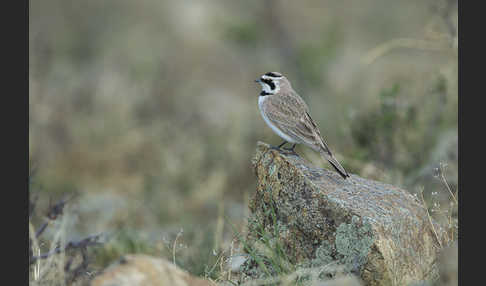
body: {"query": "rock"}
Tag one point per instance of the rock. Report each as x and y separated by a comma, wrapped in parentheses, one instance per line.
(312, 217)
(135, 270)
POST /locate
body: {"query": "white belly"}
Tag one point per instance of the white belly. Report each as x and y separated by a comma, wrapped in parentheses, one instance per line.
(275, 129)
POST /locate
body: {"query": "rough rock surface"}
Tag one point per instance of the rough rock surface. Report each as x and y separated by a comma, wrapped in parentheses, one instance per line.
(374, 230)
(145, 270)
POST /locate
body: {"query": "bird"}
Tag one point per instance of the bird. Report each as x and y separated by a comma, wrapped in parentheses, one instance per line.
(287, 114)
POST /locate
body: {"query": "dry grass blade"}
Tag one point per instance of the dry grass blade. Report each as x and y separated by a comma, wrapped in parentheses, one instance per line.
(429, 218)
(444, 181)
(174, 246)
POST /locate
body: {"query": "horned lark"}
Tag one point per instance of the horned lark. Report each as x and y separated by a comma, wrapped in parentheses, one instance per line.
(288, 116)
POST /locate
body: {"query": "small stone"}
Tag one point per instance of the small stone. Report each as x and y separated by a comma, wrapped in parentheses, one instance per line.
(236, 261)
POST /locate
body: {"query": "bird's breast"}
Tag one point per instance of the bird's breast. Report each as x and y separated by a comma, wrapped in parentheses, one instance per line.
(276, 129)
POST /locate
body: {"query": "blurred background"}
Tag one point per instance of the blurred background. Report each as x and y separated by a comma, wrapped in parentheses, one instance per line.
(148, 109)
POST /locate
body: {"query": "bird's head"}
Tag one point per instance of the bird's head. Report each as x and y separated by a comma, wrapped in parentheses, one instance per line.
(272, 82)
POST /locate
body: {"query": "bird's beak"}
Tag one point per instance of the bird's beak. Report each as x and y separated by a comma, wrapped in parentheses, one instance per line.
(258, 80)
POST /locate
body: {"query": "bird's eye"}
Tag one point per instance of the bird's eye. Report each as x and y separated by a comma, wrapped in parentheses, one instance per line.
(269, 82)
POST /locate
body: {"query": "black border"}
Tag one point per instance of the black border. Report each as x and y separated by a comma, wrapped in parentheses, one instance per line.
(471, 145)
(14, 118)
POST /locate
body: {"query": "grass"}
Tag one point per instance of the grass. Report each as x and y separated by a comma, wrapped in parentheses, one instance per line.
(53, 259)
(448, 214)
(268, 259)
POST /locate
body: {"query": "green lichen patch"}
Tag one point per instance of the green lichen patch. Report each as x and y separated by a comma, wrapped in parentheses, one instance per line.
(353, 243)
(351, 246)
(324, 254)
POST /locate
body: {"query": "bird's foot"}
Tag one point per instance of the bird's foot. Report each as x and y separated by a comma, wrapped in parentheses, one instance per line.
(276, 148)
(279, 147)
(291, 149)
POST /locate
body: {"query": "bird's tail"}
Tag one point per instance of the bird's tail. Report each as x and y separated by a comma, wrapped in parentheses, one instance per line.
(329, 157)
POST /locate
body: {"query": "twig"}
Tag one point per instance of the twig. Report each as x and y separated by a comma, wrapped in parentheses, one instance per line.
(53, 213)
(430, 219)
(207, 274)
(57, 209)
(58, 246)
(443, 179)
(231, 259)
(174, 246)
(88, 241)
(41, 229)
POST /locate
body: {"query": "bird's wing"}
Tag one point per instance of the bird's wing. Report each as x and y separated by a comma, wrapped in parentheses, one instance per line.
(323, 148)
(308, 121)
(288, 114)
(291, 115)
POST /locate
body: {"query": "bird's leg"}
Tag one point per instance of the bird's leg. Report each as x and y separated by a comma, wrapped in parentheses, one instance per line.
(291, 149)
(279, 146)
